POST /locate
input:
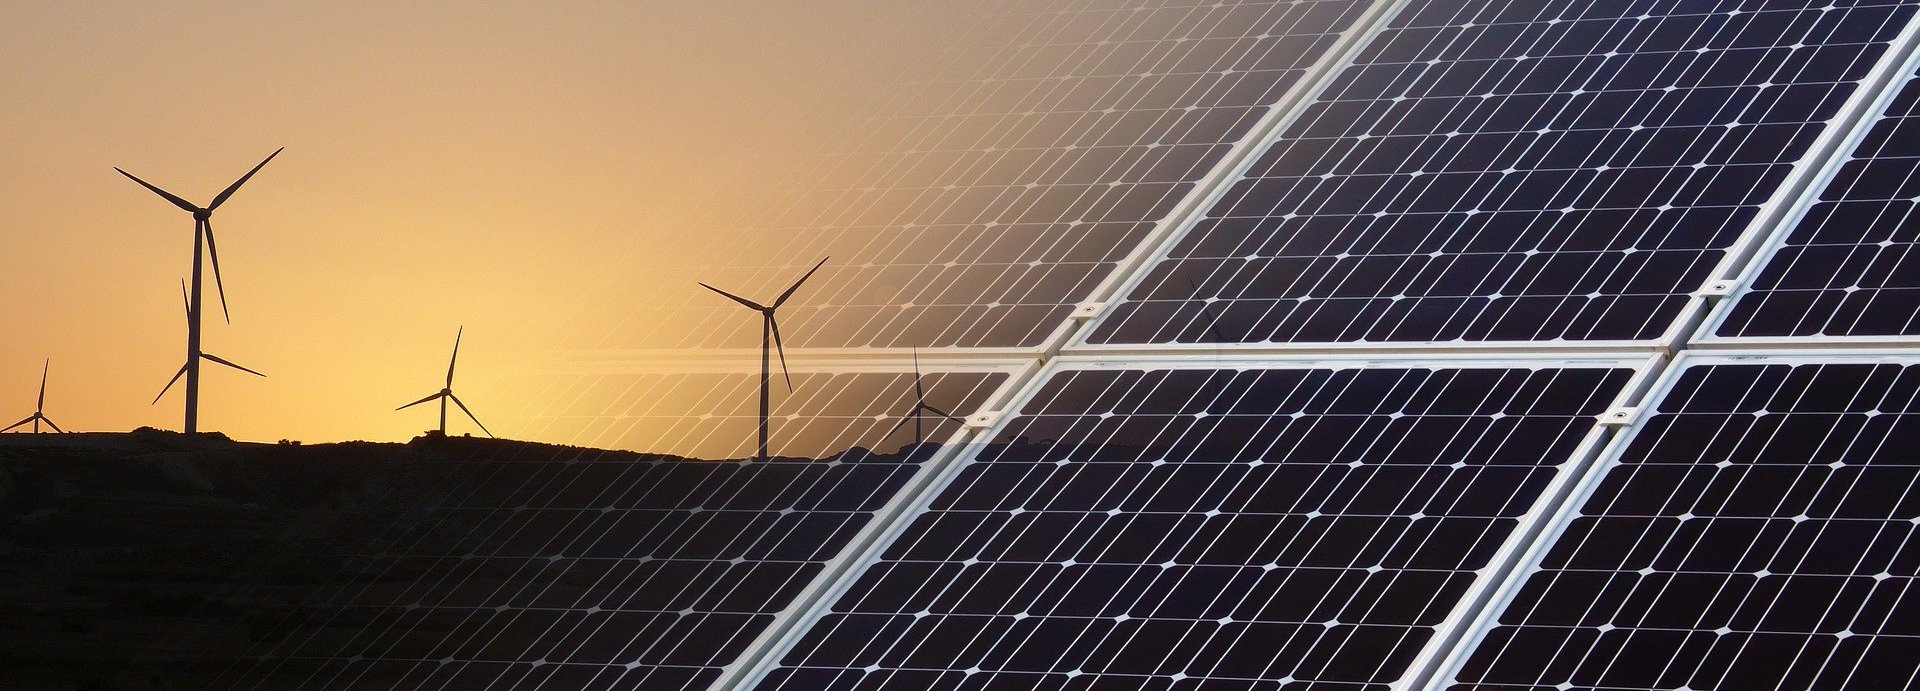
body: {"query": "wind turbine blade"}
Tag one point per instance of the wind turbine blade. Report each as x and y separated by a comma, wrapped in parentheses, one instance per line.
(777, 347)
(55, 427)
(216, 358)
(415, 403)
(463, 409)
(796, 284)
(214, 254)
(228, 192)
(163, 389)
(186, 303)
(942, 413)
(10, 428)
(896, 427)
(42, 403)
(169, 196)
(749, 303)
(456, 354)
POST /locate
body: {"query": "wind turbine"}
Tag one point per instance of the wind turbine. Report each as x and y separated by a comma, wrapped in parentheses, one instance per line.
(446, 393)
(38, 406)
(202, 234)
(191, 368)
(920, 406)
(770, 341)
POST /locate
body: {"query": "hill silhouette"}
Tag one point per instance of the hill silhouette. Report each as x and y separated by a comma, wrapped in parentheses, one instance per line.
(154, 559)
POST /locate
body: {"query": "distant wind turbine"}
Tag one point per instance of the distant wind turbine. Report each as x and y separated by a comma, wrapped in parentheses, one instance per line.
(193, 357)
(769, 342)
(37, 417)
(920, 407)
(202, 234)
(446, 394)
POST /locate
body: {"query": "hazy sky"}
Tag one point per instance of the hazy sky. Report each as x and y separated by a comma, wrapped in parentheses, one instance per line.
(446, 164)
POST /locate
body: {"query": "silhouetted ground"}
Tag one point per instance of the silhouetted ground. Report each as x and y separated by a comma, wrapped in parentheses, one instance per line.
(153, 560)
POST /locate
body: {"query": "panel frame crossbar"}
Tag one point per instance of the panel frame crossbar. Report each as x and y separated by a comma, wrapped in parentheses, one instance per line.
(1472, 632)
(1733, 279)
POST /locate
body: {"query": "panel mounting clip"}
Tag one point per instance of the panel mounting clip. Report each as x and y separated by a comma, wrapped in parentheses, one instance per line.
(983, 419)
(1087, 310)
(1622, 416)
(1717, 288)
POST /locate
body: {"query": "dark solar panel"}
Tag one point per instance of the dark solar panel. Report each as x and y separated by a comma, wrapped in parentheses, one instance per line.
(1758, 532)
(1499, 171)
(532, 566)
(987, 192)
(1846, 269)
(1195, 528)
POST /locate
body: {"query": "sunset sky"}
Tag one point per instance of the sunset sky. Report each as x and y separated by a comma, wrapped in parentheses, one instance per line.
(497, 167)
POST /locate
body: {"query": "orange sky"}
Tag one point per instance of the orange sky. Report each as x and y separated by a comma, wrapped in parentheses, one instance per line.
(495, 168)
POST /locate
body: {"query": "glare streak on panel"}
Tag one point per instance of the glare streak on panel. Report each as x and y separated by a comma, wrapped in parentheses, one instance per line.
(1207, 528)
(997, 182)
(1847, 268)
(1492, 171)
(1757, 531)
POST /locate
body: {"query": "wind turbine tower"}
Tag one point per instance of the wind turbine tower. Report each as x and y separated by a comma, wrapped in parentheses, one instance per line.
(920, 407)
(446, 393)
(39, 405)
(202, 235)
(769, 342)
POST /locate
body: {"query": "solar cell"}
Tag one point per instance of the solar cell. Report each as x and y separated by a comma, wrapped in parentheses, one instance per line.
(565, 567)
(1497, 171)
(993, 182)
(1198, 528)
(1845, 269)
(1757, 531)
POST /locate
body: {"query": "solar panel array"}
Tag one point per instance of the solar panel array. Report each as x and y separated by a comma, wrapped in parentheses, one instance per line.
(1845, 269)
(1210, 528)
(570, 568)
(1500, 171)
(1759, 531)
(1007, 173)
(1533, 178)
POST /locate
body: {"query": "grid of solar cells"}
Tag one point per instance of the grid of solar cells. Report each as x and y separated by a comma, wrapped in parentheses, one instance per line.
(716, 414)
(1498, 171)
(1207, 529)
(1759, 532)
(579, 573)
(1001, 178)
(1846, 268)
(569, 568)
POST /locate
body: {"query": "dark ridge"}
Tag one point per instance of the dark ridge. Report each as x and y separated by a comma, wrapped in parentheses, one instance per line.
(128, 557)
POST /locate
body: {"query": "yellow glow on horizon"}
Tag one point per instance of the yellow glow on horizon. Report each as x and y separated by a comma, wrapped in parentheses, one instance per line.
(493, 167)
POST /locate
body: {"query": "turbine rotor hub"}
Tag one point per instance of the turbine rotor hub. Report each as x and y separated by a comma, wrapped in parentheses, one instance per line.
(202, 214)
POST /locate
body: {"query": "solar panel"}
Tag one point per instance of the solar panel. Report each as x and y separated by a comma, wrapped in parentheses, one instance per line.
(1497, 171)
(563, 567)
(1757, 530)
(991, 184)
(1187, 526)
(1844, 269)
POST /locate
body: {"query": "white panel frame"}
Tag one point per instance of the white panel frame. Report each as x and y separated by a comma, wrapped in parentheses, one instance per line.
(837, 573)
(1807, 177)
(1473, 632)
(1800, 193)
(766, 655)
